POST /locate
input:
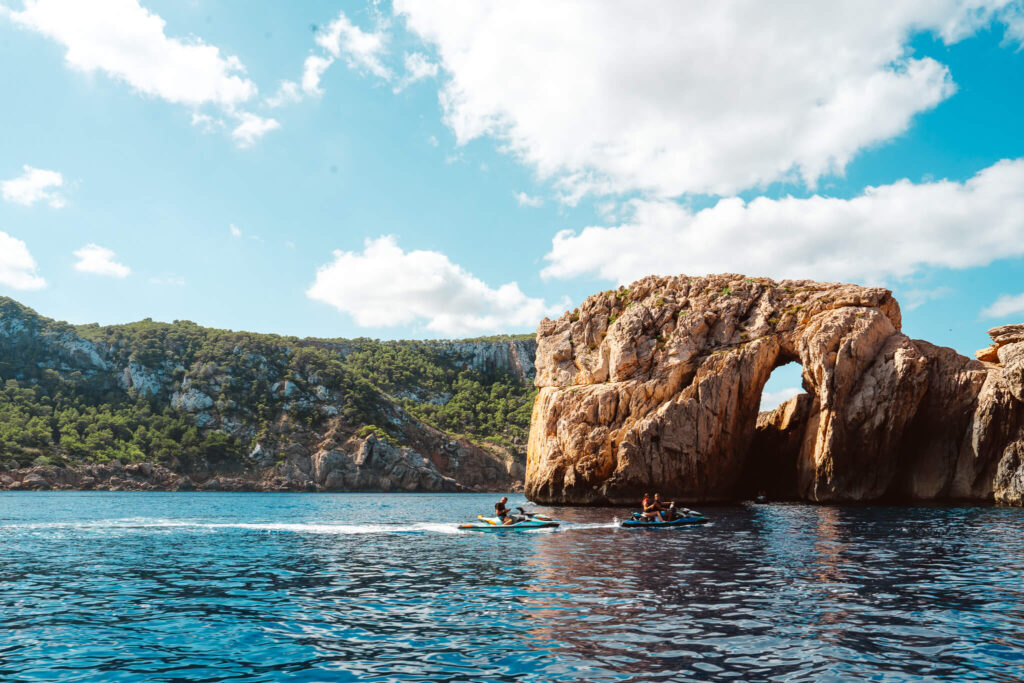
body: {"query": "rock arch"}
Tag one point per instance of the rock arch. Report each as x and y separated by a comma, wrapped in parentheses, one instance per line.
(657, 385)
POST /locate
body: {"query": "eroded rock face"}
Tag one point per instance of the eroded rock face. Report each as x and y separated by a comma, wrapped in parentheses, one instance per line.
(656, 386)
(359, 464)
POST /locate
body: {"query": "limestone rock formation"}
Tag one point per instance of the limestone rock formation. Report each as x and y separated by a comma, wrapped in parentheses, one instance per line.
(657, 386)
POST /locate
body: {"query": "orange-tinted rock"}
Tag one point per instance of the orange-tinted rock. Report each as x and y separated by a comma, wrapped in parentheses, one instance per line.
(656, 386)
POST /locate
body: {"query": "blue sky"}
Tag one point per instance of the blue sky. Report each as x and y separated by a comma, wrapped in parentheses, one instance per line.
(448, 169)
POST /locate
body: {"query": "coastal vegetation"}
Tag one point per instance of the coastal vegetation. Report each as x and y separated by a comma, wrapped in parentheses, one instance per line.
(175, 393)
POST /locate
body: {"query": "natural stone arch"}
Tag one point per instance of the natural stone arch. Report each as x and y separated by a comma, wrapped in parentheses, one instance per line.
(657, 386)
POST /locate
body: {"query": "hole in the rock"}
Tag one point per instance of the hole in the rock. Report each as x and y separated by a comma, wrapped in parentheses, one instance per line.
(771, 464)
(785, 383)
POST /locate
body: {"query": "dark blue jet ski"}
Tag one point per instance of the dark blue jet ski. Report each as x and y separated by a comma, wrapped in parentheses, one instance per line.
(685, 518)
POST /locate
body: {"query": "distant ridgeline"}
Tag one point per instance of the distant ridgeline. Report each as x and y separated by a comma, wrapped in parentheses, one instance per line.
(157, 405)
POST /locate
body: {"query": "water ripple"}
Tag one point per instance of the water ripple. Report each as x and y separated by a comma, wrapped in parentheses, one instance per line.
(219, 587)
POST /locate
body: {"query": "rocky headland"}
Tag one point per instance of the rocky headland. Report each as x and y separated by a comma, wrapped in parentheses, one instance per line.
(175, 406)
(657, 386)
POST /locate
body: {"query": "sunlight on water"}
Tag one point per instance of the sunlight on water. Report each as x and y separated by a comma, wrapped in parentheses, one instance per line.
(177, 586)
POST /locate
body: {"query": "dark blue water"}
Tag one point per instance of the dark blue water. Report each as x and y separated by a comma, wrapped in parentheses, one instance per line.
(304, 587)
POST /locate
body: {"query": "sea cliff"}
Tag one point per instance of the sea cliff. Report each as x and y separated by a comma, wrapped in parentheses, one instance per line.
(657, 386)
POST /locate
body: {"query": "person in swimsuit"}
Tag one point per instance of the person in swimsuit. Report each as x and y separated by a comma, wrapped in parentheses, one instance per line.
(502, 512)
(666, 510)
(651, 513)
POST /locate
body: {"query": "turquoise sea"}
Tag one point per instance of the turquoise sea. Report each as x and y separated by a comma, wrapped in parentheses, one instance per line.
(98, 586)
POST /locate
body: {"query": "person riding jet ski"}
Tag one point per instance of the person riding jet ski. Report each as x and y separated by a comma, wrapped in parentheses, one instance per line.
(655, 510)
(650, 513)
(667, 510)
(502, 512)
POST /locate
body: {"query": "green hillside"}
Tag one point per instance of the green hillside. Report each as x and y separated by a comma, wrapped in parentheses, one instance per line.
(176, 392)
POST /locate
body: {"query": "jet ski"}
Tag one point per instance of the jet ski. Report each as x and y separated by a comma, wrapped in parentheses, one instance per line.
(685, 518)
(523, 521)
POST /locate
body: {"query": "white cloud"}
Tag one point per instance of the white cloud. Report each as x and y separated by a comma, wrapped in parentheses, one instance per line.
(770, 400)
(98, 260)
(418, 67)
(128, 42)
(385, 286)
(312, 71)
(251, 128)
(526, 200)
(915, 298)
(206, 122)
(1005, 306)
(17, 267)
(888, 231)
(361, 50)
(688, 97)
(1014, 19)
(608, 210)
(432, 141)
(287, 92)
(235, 230)
(34, 185)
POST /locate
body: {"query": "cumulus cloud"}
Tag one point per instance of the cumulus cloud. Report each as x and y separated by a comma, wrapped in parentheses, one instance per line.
(34, 185)
(418, 67)
(235, 230)
(17, 267)
(362, 50)
(1005, 306)
(524, 199)
(98, 260)
(206, 122)
(312, 71)
(287, 92)
(251, 128)
(384, 286)
(688, 97)
(127, 42)
(888, 231)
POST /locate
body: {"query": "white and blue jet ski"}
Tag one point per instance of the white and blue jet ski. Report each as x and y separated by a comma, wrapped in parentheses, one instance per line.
(524, 521)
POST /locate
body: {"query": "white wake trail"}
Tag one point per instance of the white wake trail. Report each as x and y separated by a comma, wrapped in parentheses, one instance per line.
(131, 525)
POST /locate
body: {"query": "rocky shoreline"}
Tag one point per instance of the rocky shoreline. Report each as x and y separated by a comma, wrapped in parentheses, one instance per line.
(367, 465)
(657, 385)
